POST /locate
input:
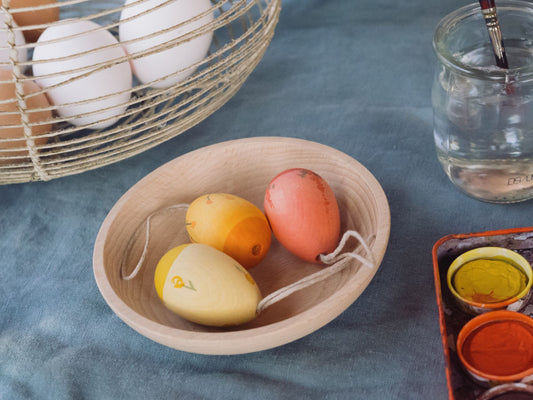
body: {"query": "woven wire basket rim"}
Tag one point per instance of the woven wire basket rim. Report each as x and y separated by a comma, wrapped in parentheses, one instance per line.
(241, 32)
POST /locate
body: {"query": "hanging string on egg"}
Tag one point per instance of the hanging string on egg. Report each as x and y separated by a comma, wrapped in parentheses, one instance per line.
(336, 261)
(139, 264)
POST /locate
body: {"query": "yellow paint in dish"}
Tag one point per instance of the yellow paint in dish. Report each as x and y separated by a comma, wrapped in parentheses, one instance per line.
(489, 281)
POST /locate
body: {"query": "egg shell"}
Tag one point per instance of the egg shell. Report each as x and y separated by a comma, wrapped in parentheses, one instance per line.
(40, 16)
(82, 44)
(10, 119)
(303, 213)
(5, 51)
(206, 286)
(146, 25)
(230, 224)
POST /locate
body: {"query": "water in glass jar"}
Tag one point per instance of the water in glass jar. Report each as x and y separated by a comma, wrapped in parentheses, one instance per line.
(483, 129)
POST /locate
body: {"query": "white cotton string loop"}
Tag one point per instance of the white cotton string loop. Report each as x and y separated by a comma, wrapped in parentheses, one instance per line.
(137, 268)
(336, 260)
(335, 254)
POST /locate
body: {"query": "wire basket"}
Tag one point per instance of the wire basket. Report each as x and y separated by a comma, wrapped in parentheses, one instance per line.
(80, 132)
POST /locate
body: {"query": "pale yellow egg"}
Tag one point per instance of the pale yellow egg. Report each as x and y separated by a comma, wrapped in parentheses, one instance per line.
(206, 286)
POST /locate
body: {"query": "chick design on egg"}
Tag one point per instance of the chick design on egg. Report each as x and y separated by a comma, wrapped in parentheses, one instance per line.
(179, 283)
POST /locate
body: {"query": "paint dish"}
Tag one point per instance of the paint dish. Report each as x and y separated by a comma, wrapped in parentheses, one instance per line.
(509, 391)
(461, 385)
(497, 347)
(489, 279)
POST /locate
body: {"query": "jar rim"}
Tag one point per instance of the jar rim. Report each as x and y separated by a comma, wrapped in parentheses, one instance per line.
(448, 59)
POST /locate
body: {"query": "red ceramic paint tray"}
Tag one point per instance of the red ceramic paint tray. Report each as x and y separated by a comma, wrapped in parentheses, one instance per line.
(452, 319)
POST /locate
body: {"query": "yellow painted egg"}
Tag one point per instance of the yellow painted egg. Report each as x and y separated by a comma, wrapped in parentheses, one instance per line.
(230, 224)
(206, 286)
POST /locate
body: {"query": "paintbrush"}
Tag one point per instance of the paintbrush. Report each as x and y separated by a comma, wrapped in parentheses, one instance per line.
(488, 8)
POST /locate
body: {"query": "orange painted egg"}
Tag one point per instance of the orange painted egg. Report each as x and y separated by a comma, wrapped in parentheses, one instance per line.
(303, 213)
(230, 224)
(206, 286)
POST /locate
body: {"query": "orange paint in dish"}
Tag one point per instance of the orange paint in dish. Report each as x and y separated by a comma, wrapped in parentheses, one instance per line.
(501, 347)
(498, 346)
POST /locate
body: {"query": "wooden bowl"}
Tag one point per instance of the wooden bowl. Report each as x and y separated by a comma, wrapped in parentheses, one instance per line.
(243, 167)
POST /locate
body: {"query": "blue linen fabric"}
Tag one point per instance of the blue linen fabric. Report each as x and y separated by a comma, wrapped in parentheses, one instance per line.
(354, 75)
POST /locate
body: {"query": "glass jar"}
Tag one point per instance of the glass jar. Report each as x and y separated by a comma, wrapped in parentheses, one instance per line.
(482, 114)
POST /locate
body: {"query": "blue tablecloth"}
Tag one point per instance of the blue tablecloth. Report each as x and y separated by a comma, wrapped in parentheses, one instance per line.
(354, 75)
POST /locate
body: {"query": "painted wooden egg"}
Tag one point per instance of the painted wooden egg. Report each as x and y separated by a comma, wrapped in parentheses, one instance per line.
(206, 286)
(303, 213)
(230, 224)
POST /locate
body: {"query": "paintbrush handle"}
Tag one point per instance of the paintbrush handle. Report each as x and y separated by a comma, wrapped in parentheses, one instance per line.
(488, 9)
(487, 4)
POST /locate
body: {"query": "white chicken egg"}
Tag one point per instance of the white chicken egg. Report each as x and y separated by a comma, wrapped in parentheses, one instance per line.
(5, 51)
(86, 92)
(164, 66)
